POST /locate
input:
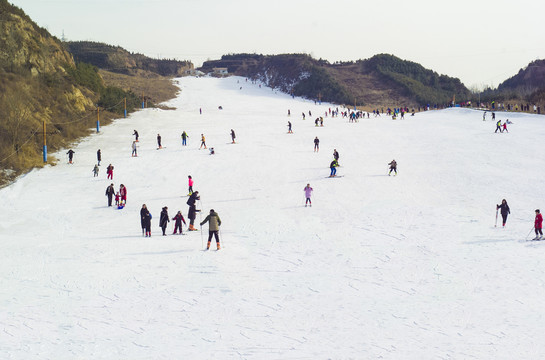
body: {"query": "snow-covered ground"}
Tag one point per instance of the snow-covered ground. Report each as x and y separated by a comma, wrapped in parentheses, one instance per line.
(404, 267)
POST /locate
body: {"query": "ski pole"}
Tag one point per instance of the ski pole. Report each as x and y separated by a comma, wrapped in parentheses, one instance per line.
(221, 238)
(200, 217)
(496, 223)
(529, 233)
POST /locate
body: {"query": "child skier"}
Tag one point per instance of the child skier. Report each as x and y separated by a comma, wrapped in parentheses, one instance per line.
(538, 224)
(308, 192)
(504, 210)
(393, 167)
(190, 183)
(178, 219)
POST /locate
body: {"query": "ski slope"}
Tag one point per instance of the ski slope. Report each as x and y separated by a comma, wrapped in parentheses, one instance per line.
(391, 267)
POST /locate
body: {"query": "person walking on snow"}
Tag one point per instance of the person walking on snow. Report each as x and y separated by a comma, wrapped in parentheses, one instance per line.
(70, 155)
(164, 220)
(203, 142)
(135, 133)
(233, 136)
(134, 153)
(159, 146)
(214, 223)
(308, 192)
(504, 126)
(498, 126)
(95, 171)
(110, 172)
(289, 128)
(190, 183)
(393, 167)
(538, 224)
(110, 192)
(192, 213)
(504, 210)
(145, 221)
(99, 157)
(333, 167)
(184, 138)
(178, 219)
(316, 144)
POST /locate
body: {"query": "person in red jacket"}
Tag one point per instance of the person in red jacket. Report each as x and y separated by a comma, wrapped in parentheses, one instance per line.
(179, 218)
(123, 194)
(538, 225)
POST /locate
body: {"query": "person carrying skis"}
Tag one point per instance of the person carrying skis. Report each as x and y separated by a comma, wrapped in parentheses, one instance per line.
(308, 192)
(233, 136)
(192, 213)
(214, 223)
(145, 221)
(538, 225)
(178, 219)
(504, 210)
(70, 155)
(110, 172)
(498, 126)
(134, 153)
(316, 144)
(99, 157)
(190, 183)
(164, 220)
(135, 133)
(393, 167)
(203, 141)
(289, 128)
(123, 194)
(333, 167)
(159, 146)
(95, 171)
(184, 138)
(110, 192)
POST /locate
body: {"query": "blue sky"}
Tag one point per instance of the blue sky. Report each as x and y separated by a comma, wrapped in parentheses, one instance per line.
(480, 42)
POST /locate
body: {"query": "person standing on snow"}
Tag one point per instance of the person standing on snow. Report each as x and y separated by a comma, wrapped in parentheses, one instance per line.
(538, 224)
(178, 219)
(184, 138)
(159, 146)
(145, 221)
(95, 171)
(190, 183)
(123, 194)
(333, 167)
(135, 133)
(498, 126)
(99, 157)
(192, 213)
(289, 128)
(505, 126)
(393, 167)
(213, 227)
(70, 155)
(335, 154)
(203, 142)
(308, 192)
(110, 172)
(164, 220)
(316, 144)
(110, 192)
(233, 136)
(134, 153)
(504, 210)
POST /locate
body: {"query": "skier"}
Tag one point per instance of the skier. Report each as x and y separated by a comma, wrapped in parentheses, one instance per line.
(159, 146)
(289, 128)
(316, 144)
(135, 133)
(190, 184)
(203, 141)
(123, 194)
(110, 191)
(393, 167)
(145, 221)
(95, 171)
(134, 153)
(335, 154)
(505, 126)
(213, 227)
(308, 192)
(333, 167)
(233, 136)
(110, 172)
(493, 116)
(289, 112)
(184, 138)
(70, 155)
(303, 116)
(192, 213)
(498, 126)
(316, 122)
(504, 210)
(164, 220)
(99, 156)
(178, 219)
(538, 224)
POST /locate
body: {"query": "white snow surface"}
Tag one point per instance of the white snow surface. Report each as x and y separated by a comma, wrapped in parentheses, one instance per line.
(404, 267)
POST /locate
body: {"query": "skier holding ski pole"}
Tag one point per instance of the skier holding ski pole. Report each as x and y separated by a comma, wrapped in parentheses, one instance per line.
(214, 223)
(538, 224)
(504, 209)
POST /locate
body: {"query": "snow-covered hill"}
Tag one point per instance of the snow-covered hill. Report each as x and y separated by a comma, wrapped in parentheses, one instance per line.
(404, 267)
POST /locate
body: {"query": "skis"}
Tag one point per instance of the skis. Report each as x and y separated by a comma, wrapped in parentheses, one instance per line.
(334, 176)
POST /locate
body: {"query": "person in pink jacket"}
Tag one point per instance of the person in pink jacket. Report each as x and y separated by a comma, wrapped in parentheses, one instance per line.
(190, 183)
(538, 225)
(308, 192)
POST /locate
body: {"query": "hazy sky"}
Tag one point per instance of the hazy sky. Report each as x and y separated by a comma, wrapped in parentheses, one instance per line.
(482, 42)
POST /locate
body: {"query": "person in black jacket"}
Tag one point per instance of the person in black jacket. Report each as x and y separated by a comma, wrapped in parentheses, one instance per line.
(164, 220)
(99, 156)
(70, 155)
(110, 192)
(504, 210)
(192, 213)
(145, 221)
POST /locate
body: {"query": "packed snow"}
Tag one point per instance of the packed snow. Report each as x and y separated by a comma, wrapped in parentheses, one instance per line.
(392, 267)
